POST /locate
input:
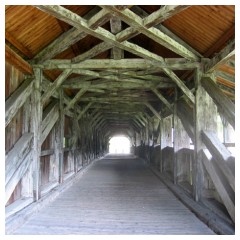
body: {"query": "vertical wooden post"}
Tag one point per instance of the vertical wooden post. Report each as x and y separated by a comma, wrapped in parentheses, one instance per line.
(198, 118)
(175, 138)
(205, 118)
(160, 155)
(36, 129)
(75, 138)
(59, 153)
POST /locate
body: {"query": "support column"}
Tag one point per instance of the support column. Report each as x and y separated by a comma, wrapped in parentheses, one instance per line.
(161, 147)
(205, 118)
(59, 153)
(36, 119)
(74, 142)
(180, 140)
(175, 138)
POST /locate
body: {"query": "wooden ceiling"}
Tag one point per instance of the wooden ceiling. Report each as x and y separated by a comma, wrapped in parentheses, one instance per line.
(119, 54)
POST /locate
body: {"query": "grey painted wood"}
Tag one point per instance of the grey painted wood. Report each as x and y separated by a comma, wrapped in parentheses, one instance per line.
(117, 195)
(17, 99)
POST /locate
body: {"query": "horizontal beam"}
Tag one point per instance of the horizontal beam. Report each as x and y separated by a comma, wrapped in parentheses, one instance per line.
(125, 64)
(17, 99)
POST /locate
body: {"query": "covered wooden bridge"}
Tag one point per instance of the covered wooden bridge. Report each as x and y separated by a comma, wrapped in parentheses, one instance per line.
(162, 76)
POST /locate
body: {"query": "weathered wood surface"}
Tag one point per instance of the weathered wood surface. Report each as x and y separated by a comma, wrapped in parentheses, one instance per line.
(137, 22)
(221, 58)
(225, 106)
(16, 177)
(185, 113)
(55, 85)
(219, 225)
(49, 121)
(135, 63)
(17, 61)
(36, 120)
(219, 181)
(14, 157)
(118, 195)
(222, 156)
(153, 110)
(72, 36)
(17, 99)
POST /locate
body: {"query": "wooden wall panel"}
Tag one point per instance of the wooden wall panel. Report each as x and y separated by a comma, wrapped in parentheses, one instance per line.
(16, 194)
(45, 166)
(13, 78)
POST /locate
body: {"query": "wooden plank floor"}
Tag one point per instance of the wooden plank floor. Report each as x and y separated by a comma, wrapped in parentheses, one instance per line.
(117, 195)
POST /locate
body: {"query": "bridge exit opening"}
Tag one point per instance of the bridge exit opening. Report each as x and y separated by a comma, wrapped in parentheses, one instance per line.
(119, 144)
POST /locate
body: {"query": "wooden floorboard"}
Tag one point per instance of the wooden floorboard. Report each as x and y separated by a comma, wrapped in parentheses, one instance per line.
(117, 195)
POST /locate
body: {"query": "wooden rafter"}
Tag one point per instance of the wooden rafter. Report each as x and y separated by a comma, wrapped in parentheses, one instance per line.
(163, 99)
(55, 85)
(18, 45)
(72, 36)
(76, 98)
(14, 59)
(136, 22)
(17, 99)
(153, 110)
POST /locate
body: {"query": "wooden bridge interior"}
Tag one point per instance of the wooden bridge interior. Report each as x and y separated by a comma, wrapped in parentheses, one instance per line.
(163, 76)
